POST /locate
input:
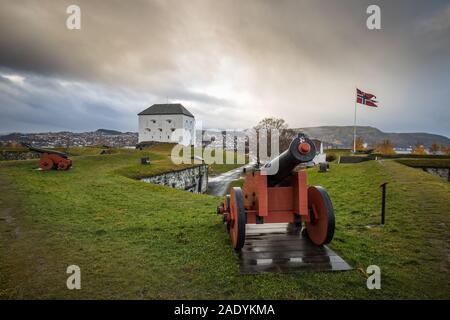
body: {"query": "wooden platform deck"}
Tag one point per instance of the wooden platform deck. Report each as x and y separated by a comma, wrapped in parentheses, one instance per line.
(279, 247)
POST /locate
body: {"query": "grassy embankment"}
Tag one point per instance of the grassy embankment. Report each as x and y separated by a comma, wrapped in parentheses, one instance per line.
(421, 163)
(136, 240)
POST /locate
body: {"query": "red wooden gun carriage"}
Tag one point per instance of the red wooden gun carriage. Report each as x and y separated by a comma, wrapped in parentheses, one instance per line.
(51, 159)
(281, 197)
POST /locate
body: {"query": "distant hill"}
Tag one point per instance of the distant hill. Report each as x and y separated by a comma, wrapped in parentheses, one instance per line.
(342, 136)
(108, 132)
(336, 136)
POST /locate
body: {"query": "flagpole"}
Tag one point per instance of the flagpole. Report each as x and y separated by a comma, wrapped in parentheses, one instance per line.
(354, 123)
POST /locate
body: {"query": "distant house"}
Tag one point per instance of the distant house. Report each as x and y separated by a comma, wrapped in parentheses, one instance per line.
(160, 121)
(403, 150)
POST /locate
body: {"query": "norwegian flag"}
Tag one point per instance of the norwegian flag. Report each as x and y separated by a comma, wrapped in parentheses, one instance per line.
(367, 99)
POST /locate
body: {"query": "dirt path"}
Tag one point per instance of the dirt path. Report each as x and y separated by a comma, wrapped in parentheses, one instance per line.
(218, 185)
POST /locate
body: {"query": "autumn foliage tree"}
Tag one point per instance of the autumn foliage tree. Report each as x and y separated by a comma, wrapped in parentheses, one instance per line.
(359, 146)
(385, 147)
(436, 148)
(13, 144)
(419, 149)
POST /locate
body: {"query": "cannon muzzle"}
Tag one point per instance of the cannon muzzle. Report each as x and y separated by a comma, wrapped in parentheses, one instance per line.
(301, 150)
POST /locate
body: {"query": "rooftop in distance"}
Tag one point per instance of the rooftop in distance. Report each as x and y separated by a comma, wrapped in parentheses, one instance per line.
(166, 108)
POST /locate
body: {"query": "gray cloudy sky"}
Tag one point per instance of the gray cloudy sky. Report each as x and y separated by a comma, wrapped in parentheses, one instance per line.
(230, 62)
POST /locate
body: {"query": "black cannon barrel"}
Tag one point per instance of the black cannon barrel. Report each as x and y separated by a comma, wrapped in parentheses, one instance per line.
(41, 150)
(301, 150)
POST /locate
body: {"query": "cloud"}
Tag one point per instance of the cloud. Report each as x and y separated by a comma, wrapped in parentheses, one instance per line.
(35, 103)
(48, 104)
(14, 78)
(230, 62)
(439, 22)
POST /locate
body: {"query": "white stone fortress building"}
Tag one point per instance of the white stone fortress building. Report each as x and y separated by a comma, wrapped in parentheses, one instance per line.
(159, 122)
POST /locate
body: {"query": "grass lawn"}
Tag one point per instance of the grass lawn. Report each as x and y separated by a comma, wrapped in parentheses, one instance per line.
(134, 240)
(336, 153)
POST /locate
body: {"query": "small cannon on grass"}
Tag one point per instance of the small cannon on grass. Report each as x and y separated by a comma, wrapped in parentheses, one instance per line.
(281, 197)
(145, 160)
(51, 159)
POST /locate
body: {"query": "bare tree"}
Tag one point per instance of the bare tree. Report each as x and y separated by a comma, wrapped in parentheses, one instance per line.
(271, 123)
(285, 135)
(435, 148)
(279, 124)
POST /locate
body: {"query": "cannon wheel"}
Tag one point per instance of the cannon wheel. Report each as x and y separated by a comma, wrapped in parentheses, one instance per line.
(320, 230)
(226, 203)
(46, 163)
(226, 210)
(238, 218)
(63, 165)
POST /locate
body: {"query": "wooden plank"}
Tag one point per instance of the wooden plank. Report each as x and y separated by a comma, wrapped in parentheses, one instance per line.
(279, 248)
(276, 268)
(282, 254)
(292, 260)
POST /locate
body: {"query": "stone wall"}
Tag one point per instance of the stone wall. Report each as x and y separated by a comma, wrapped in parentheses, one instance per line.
(18, 155)
(193, 179)
(444, 173)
